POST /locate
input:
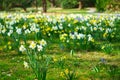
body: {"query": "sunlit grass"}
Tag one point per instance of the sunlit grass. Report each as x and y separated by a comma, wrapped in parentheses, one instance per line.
(12, 68)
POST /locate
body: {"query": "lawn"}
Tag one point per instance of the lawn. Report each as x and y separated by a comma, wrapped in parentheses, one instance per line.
(66, 11)
(84, 63)
(89, 10)
(59, 47)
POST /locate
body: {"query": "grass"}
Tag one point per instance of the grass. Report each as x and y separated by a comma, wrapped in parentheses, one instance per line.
(53, 10)
(66, 11)
(83, 62)
(56, 11)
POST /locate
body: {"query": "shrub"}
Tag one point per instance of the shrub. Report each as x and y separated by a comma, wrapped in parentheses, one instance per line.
(88, 3)
(8, 4)
(101, 5)
(58, 3)
(67, 4)
(85, 3)
(114, 5)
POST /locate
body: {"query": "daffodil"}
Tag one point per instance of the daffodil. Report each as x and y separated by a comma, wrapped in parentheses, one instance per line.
(105, 35)
(25, 64)
(4, 30)
(39, 47)
(43, 42)
(22, 48)
(61, 74)
(66, 71)
(27, 31)
(10, 32)
(19, 30)
(90, 38)
(72, 36)
(32, 45)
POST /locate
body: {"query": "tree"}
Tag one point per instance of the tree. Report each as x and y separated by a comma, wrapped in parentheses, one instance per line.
(8, 4)
(52, 3)
(80, 4)
(44, 5)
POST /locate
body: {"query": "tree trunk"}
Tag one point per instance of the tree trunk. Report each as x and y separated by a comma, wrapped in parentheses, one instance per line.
(36, 5)
(1, 8)
(52, 3)
(44, 6)
(80, 5)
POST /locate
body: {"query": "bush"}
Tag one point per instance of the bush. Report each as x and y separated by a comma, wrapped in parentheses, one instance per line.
(88, 3)
(101, 5)
(67, 4)
(4, 5)
(8, 4)
(58, 3)
(114, 5)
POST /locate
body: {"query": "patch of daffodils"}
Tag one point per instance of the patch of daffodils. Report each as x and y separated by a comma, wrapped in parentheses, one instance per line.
(82, 29)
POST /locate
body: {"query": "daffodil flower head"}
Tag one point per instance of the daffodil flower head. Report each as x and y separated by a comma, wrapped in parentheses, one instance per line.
(32, 45)
(22, 48)
(19, 30)
(25, 64)
(66, 71)
(43, 42)
(39, 47)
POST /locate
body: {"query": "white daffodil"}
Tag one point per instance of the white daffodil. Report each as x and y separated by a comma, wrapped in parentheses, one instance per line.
(33, 28)
(43, 42)
(22, 48)
(10, 32)
(95, 28)
(55, 28)
(32, 45)
(101, 29)
(27, 31)
(83, 28)
(37, 30)
(60, 27)
(19, 30)
(72, 36)
(69, 25)
(75, 33)
(88, 24)
(4, 30)
(39, 47)
(82, 36)
(108, 30)
(25, 64)
(90, 38)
